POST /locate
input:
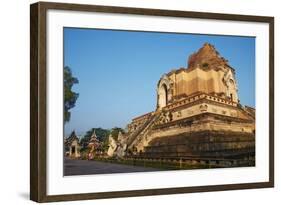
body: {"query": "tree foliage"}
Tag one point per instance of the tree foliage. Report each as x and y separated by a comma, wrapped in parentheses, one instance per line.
(70, 97)
(115, 131)
(102, 136)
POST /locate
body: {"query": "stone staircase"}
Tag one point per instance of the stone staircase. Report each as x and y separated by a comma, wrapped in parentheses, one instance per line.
(138, 138)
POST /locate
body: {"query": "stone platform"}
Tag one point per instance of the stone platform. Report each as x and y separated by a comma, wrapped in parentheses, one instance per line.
(204, 147)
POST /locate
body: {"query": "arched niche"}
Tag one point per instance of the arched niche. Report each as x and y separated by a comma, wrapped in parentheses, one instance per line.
(162, 96)
(163, 92)
(231, 86)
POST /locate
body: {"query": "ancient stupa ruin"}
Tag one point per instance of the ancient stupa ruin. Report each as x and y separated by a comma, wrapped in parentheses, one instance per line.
(198, 116)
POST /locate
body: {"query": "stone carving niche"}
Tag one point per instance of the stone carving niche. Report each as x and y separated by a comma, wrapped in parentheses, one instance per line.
(164, 92)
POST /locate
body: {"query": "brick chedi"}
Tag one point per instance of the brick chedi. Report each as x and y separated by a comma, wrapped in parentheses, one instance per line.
(207, 58)
(198, 116)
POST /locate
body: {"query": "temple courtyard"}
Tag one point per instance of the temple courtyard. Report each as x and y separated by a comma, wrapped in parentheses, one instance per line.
(86, 167)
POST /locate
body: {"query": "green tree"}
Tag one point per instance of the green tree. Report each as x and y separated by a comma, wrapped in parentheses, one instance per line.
(70, 97)
(115, 131)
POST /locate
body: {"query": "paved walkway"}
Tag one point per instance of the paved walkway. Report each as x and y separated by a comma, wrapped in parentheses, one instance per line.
(85, 167)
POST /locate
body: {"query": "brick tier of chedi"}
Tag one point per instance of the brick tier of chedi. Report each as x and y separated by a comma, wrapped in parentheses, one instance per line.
(198, 116)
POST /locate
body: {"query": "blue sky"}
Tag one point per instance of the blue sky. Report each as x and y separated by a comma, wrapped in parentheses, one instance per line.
(118, 71)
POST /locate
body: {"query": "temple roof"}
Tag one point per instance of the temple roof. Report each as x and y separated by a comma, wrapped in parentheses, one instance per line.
(71, 138)
(94, 138)
(207, 57)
